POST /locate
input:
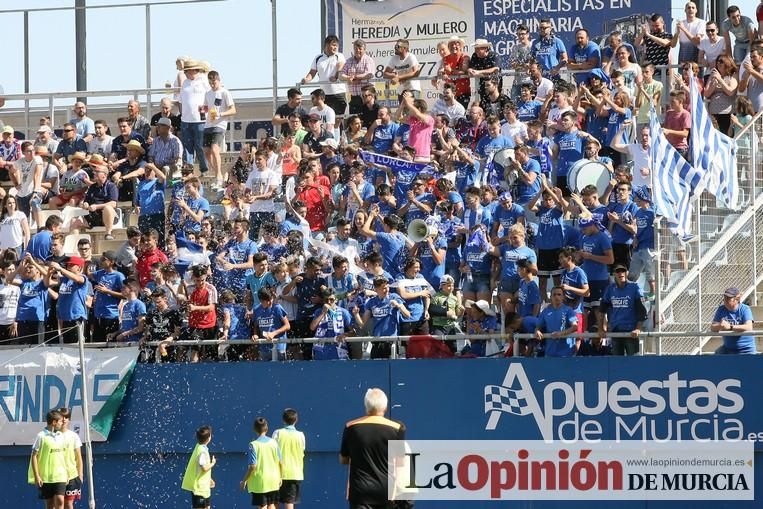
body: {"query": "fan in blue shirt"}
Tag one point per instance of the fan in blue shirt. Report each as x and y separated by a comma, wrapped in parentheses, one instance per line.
(270, 323)
(506, 215)
(622, 310)
(133, 314)
(733, 315)
(555, 323)
(391, 241)
(331, 321)
(108, 285)
(387, 310)
(467, 167)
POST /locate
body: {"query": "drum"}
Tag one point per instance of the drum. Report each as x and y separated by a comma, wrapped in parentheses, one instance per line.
(501, 162)
(585, 172)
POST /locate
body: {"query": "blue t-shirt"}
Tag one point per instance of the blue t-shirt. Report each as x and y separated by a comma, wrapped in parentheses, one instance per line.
(336, 322)
(550, 228)
(384, 137)
(430, 270)
(414, 212)
(107, 306)
(743, 314)
(556, 320)
(570, 151)
(304, 292)
(644, 228)
(386, 317)
(478, 260)
(268, 320)
(239, 325)
(238, 252)
(508, 217)
(391, 244)
(600, 214)
(366, 282)
(547, 52)
(596, 125)
(151, 197)
(71, 300)
(543, 146)
(582, 55)
(614, 122)
(448, 231)
(195, 205)
(526, 192)
(33, 301)
(487, 145)
(528, 296)
(622, 306)
(529, 110)
(415, 305)
(403, 183)
(577, 279)
(255, 283)
(627, 211)
(510, 256)
(466, 175)
(596, 244)
(131, 313)
(39, 244)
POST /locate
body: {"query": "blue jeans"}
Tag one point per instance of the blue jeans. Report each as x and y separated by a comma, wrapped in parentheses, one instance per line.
(192, 135)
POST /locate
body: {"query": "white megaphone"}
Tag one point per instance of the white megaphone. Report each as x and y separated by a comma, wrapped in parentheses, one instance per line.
(419, 230)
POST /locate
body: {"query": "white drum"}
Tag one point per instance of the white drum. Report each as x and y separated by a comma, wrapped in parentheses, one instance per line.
(585, 172)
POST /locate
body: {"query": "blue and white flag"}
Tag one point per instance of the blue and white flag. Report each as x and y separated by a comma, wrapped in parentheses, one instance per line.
(713, 153)
(189, 254)
(395, 162)
(674, 181)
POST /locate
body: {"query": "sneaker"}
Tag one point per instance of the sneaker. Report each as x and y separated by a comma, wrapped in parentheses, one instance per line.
(109, 236)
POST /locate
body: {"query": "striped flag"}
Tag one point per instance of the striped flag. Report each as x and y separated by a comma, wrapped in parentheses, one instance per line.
(713, 153)
(674, 181)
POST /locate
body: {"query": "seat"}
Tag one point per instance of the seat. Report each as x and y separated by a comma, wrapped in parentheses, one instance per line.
(44, 215)
(71, 241)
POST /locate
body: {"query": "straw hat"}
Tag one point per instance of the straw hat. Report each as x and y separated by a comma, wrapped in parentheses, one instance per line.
(192, 65)
(78, 156)
(135, 145)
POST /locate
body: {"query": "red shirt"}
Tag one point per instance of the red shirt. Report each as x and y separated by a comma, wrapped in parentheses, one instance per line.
(462, 83)
(144, 263)
(202, 296)
(316, 210)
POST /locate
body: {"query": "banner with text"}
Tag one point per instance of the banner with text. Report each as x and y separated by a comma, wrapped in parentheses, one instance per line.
(36, 380)
(539, 470)
(430, 21)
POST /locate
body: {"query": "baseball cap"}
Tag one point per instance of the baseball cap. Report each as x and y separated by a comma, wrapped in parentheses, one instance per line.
(164, 121)
(314, 116)
(482, 305)
(44, 129)
(642, 193)
(732, 292)
(75, 260)
(446, 279)
(619, 267)
(505, 196)
(109, 255)
(7, 130)
(330, 142)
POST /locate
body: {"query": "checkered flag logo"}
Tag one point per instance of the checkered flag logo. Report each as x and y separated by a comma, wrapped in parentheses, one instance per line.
(503, 399)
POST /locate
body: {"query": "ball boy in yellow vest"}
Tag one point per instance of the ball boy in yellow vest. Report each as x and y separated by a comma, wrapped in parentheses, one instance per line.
(198, 473)
(47, 466)
(74, 466)
(263, 477)
(292, 445)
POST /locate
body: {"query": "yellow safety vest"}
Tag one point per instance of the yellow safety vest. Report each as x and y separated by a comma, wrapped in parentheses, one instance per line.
(70, 442)
(51, 459)
(292, 444)
(195, 479)
(267, 472)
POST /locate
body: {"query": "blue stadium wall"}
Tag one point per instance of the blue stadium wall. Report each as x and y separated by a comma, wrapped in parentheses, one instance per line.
(142, 463)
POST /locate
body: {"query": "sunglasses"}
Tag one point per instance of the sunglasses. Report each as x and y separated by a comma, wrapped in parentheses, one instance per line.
(68, 130)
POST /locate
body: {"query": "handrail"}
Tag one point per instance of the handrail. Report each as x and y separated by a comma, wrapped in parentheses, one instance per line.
(108, 93)
(391, 339)
(749, 125)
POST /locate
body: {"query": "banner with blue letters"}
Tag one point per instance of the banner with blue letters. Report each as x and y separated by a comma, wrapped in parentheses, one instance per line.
(36, 380)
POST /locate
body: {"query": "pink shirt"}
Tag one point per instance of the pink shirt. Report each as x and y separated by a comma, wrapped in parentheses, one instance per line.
(420, 137)
(677, 121)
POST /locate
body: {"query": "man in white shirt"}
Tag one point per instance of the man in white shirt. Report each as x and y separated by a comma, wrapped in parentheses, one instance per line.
(45, 139)
(328, 66)
(689, 33)
(192, 102)
(260, 189)
(711, 47)
(323, 110)
(448, 106)
(639, 154)
(101, 142)
(342, 244)
(403, 68)
(220, 107)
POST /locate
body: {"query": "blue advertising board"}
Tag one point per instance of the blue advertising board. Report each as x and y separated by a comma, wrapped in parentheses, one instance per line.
(469, 399)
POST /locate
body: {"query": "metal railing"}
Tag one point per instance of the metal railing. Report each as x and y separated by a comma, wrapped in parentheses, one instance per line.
(726, 252)
(654, 341)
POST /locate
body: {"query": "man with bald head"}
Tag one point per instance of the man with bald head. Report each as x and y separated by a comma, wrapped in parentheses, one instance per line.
(83, 124)
(364, 448)
(165, 111)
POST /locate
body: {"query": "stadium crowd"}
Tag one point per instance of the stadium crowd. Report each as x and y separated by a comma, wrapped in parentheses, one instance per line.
(363, 218)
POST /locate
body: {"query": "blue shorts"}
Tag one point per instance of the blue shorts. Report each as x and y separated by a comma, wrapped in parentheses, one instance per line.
(508, 286)
(478, 284)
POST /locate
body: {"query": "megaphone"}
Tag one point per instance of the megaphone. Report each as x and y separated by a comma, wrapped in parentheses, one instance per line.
(419, 230)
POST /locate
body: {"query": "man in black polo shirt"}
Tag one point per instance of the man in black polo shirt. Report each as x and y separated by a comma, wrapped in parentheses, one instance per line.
(364, 448)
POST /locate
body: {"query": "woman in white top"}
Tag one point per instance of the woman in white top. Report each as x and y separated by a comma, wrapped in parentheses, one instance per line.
(14, 228)
(625, 62)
